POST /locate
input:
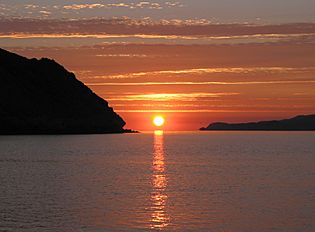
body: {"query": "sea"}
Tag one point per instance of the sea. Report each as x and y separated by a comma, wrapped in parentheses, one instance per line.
(158, 181)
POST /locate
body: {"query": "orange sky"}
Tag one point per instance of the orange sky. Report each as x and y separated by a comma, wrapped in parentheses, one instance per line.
(192, 74)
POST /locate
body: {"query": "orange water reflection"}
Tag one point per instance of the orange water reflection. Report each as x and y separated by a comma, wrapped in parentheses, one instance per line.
(159, 217)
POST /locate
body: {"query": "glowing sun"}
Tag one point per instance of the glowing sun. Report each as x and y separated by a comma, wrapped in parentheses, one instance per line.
(158, 121)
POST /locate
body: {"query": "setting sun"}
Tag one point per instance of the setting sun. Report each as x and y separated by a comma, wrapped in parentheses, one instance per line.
(158, 121)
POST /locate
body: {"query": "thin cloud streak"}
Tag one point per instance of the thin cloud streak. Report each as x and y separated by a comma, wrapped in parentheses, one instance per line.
(140, 5)
(203, 111)
(201, 83)
(206, 71)
(201, 106)
(179, 39)
(160, 97)
(97, 36)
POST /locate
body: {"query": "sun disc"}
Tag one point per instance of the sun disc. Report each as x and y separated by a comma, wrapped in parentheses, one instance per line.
(158, 121)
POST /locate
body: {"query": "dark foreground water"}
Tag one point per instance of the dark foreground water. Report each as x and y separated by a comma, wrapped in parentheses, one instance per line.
(211, 181)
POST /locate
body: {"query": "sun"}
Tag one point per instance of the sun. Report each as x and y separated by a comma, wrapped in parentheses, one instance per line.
(158, 121)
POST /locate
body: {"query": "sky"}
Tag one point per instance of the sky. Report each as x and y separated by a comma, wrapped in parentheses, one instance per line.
(194, 62)
(279, 11)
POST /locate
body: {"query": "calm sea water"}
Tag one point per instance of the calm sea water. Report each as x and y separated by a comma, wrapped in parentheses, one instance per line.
(189, 181)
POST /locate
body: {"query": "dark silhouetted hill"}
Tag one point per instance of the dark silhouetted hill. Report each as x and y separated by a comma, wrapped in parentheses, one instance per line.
(42, 97)
(298, 123)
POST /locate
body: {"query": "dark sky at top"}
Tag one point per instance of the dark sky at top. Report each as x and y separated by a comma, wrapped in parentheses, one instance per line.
(267, 11)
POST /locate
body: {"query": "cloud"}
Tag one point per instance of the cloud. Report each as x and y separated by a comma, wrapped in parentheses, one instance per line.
(202, 111)
(139, 5)
(84, 6)
(174, 4)
(197, 31)
(200, 71)
(31, 6)
(146, 26)
(45, 12)
(84, 9)
(164, 97)
(201, 83)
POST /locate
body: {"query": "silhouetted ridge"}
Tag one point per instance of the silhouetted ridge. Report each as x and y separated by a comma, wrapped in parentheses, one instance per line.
(42, 97)
(298, 123)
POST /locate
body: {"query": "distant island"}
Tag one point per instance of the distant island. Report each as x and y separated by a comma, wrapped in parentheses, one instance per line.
(42, 97)
(298, 123)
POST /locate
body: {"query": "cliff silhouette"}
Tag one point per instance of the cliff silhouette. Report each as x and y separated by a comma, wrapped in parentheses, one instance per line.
(42, 97)
(298, 123)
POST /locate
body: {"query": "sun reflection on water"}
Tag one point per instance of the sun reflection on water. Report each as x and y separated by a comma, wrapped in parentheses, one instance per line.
(159, 217)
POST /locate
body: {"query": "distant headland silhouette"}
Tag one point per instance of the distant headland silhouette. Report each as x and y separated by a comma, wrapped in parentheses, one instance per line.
(42, 97)
(298, 123)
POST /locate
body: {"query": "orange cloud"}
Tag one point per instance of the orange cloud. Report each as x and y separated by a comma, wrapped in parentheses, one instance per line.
(201, 83)
(171, 96)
